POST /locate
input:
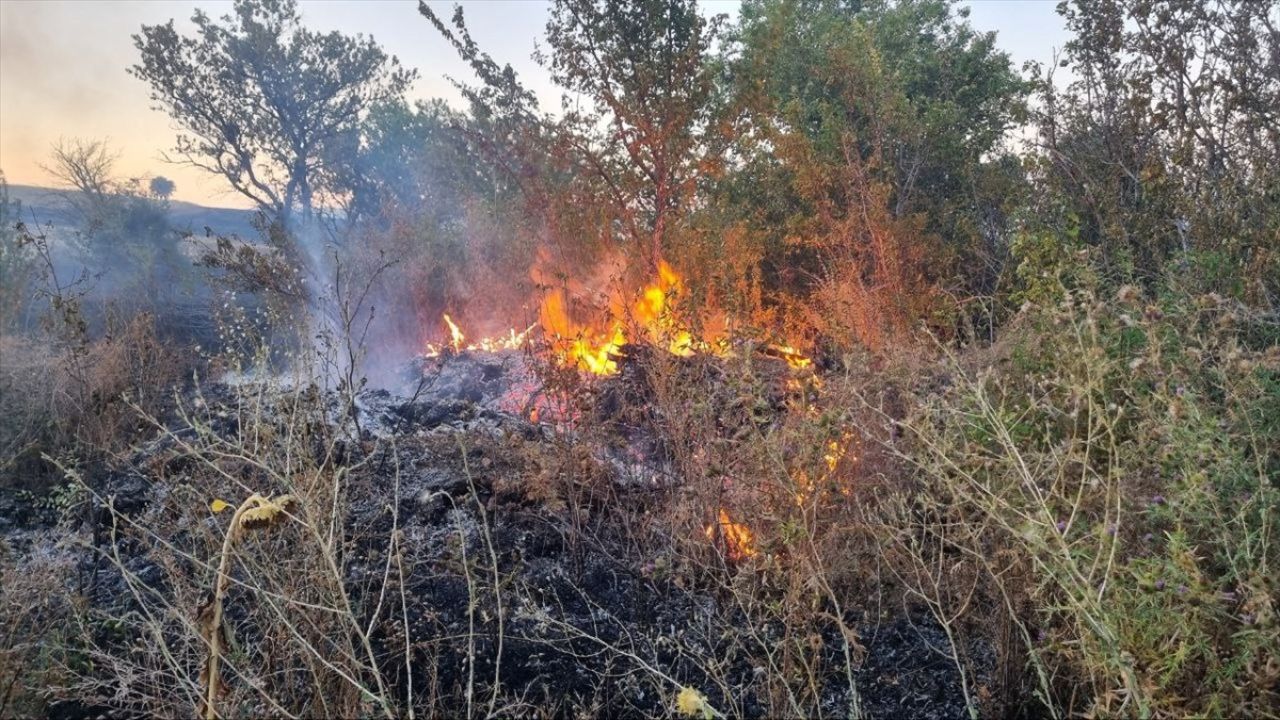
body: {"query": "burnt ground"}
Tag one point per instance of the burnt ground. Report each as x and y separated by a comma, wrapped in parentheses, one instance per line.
(585, 586)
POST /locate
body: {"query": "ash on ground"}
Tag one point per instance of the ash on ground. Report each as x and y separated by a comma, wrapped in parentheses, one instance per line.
(459, 468)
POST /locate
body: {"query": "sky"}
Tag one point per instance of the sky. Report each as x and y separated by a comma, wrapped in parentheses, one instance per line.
(63, 67)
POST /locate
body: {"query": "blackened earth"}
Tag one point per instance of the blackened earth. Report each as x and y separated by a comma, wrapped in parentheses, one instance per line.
(581, 581)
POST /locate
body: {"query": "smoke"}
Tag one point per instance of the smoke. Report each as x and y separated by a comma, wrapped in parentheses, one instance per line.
(405, 270)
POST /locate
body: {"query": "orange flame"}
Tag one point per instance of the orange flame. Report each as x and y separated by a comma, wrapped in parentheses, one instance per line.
(836, 451)
(512, 340)
(739, 543)
(796, 359)
(648, 316)
(455, 335)
(651, 317)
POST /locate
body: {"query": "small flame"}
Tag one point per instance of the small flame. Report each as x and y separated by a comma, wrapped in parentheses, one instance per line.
(738, 541)
(796, 359)
(455, 335)
(836, 450)
(512, 340)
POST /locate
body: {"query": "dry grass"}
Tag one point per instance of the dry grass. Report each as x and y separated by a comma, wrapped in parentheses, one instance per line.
(59, 398)
(1106, 495)
(1093, 498)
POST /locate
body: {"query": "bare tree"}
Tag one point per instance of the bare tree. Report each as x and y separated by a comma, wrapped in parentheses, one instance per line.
(85, 165)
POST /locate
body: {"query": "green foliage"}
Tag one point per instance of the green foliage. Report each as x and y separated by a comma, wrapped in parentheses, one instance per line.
(59, 503)
(1128, 460)
(1047, 264)
(867, 121)
(1165, 144)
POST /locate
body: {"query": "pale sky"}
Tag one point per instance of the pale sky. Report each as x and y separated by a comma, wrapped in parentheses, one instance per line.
(63, 62)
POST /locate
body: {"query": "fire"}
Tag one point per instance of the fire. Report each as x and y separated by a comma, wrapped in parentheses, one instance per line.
(512, 340)
(455, 335)
(650, 317)
(739, 543)
(796, 359)
(577, 345)
(835, 451)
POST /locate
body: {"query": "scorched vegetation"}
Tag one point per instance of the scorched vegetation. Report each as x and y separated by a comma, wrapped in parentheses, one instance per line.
(813, 363)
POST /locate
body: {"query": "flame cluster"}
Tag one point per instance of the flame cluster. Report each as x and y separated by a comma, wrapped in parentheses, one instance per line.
(458, 341)
(739, 543)
(650, 316)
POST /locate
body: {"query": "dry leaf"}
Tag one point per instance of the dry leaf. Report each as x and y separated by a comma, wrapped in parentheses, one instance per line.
(266, 511)
(690, 703)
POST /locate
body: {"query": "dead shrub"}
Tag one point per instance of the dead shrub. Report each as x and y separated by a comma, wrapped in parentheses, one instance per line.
(37, 617)
(875, 288)
(63, 398)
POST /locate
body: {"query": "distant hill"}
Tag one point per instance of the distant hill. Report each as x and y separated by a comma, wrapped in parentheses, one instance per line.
(49, 205)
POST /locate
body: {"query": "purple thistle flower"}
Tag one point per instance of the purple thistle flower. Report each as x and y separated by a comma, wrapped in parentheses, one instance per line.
(1157, 500)
(1062, 526)
(1160, 584)
(1182, 589)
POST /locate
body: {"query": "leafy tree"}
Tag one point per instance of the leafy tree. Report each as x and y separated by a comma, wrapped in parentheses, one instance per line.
(415, 160)
(872, 134)
(1166, 144)
(646, 67)
(274, 108)
(626, 169)
(503, 129)
(161, 187)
